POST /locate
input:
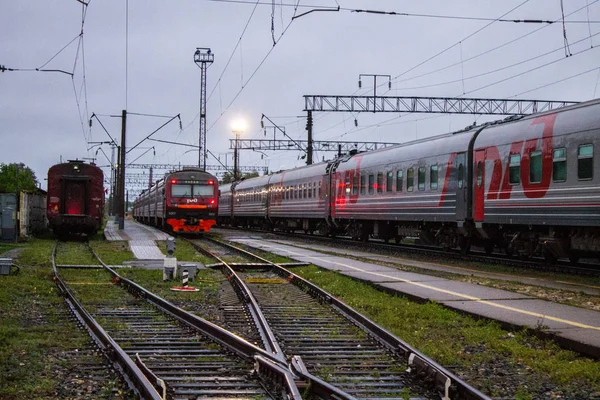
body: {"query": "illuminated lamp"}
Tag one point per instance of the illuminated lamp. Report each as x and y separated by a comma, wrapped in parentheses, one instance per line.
(211, 182)
(173, 180)
(212, 201)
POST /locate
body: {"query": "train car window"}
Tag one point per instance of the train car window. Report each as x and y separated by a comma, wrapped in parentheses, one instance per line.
(535, 167)
(559, 165)
(379, 182)
(371, 184)
(585, 161)
(461, 176)
(320, 194)
(514, 167)
(179, 190)
(355, 184)
(433, 177)
(389, 181)
(315, 190)
(347, 185)
(363, 184)
(310, 190)
(421, 178)
(410, 179)
(399, 182)
(305, 192)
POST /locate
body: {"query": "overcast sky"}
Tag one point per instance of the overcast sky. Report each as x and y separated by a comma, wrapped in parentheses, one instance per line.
(43, 115)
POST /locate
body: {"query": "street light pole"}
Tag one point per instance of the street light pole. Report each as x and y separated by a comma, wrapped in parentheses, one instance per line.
(236, 156)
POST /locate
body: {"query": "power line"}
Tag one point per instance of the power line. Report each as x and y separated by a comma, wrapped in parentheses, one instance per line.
(405, 14)
(526, 72)
(558, 81)
(462, 40)
(253, 73)
(495, 70)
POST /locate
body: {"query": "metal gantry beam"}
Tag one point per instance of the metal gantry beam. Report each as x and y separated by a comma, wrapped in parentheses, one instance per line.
(177, 167)
(445, 105)
(344, 147)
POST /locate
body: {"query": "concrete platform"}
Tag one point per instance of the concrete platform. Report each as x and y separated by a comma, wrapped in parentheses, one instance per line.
(141, 239)
(430, 265)
(572, 327)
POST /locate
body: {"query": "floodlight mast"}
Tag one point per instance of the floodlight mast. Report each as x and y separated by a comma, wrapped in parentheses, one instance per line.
(203, 57)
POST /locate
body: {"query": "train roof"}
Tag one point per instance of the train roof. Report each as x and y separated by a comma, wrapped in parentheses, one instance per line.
(75, 165)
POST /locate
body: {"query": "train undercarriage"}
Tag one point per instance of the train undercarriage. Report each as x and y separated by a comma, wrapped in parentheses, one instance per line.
(520, 241)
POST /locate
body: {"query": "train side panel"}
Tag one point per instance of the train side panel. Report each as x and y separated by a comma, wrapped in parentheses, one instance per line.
(250, 202)
(537, 183)
(416, 189)
(298, 198)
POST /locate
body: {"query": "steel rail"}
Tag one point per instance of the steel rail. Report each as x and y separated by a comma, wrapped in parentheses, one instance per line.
(445, 381)
(318, 386)
(260, 321)
(124, 364)
(245, 349)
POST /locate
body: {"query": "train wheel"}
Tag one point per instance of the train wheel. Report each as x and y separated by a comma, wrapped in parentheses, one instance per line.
(574, 259)
(465, 244)
(549, 257)
(488, 247)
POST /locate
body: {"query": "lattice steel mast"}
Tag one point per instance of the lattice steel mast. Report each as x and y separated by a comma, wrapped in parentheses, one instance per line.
(203, 57)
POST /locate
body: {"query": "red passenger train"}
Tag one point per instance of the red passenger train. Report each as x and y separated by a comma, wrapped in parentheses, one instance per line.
(75, 199)
(528, 185)
(184, 201)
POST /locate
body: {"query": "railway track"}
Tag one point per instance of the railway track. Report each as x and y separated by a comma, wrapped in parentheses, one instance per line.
(537, 264)
(164, 352)
(326, 341)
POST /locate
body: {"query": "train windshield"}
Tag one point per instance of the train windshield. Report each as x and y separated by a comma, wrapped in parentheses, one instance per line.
(195, 190)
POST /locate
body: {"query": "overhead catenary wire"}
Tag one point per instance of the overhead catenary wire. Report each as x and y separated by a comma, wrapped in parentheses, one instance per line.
(405, 14)
(490, 50)
(559, 81)
(251, 76)
(495, 70)
(494, 83)
(455, 44)
(526, 72)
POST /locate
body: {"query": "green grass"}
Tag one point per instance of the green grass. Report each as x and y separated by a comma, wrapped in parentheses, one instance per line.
(4, 246)
(185, 252)
(33, 329)
(112, 252)
(207, 281)
(37, 253)
(453, 339)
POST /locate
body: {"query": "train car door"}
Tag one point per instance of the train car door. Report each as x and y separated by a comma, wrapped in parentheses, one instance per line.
(479, 184)
(75, 197)
(461, 180)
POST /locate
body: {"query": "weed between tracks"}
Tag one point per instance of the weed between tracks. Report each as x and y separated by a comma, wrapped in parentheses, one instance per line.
(40, 348)
(496, 361)
(185, 252)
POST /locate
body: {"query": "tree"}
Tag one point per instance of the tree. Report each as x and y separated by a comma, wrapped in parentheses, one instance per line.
(8, 178)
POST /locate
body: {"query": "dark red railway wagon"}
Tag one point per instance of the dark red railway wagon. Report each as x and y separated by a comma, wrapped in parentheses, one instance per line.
(75, 202)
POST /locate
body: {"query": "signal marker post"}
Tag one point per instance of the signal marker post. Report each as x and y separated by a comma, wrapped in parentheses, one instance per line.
(170, 262)
(185, 287)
